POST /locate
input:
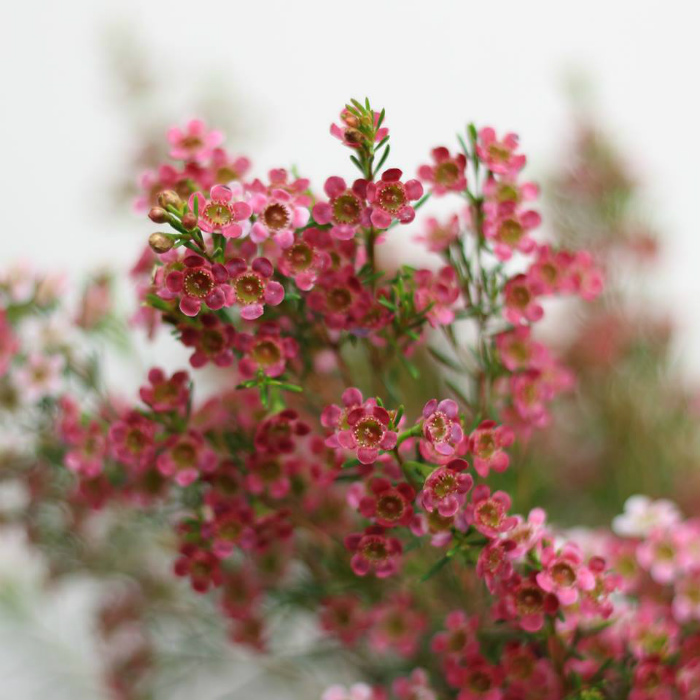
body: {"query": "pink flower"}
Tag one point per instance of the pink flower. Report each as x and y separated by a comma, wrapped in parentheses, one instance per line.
(390, 199)
(345, 208)
(343, 617)
(527, 534)
(8, 343)
(278, 215)
(510, 231)
(212, 342)
(221, 213)
(132, 440)
(459, 637)
(306, 258)
(488, 514)
(563, 574)
(388, 505)
(527, 603)
(517, 350)
(198, 282)
(186, 456)
(338, 296)
(363, 427)
(480, 680)
(653, 681)
(202, 567)
(88, 454)
(446, 488)
(505, 192)
(281, 432)
(494, 564)
(253, 287)
(40, 376)
(439, 291)
(414, 687)
(442, 427)
(521, 301)
(499, 156)
(447, 174)
(438, 236)
(397, 625)
(166, 394)
(231, 527)
(374, 552)
(358, 691)
(267, 350)
(486, 443)
(529, 394)
(194, 143)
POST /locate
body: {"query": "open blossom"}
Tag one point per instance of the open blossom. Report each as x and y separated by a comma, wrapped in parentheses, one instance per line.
(195, 142)
(306, 258)
(345, 209)
(198, 282)
(374, 551)
(278, 213)
(521, 301)
(480, 680)
(510, 231)
(564, 574)
(442, 427)
(166, 393)
(390, 199)
(268, 350)
(388, 505)
(202, 567)
(489, 513)
(447, 173)
(517, 349)
(486, 443)
(221, 213)
(642, 515)
(132, 440)
(439, 291)
(439, 236)
(499, 155)
(396, 626)
(87, 455)
(212, 342)
(186, 456)
(40, 376)
(253, 287)
(446, 488)
(360, 426)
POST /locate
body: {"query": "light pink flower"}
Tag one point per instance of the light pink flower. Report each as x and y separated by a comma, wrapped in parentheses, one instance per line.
(195, 143)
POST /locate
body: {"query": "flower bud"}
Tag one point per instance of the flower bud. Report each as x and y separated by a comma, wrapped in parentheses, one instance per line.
(189, 221)
(160, 242)
(169, 198)
(158, 215)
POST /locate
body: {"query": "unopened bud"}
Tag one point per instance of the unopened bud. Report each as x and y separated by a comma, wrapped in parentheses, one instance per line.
(169, 198)
(160, 242)
(158, 215)
(189, 221)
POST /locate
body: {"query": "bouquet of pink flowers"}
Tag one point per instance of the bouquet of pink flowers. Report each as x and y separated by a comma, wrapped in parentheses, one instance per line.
(349, 463)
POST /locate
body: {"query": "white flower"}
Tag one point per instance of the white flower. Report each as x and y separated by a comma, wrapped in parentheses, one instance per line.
(642, 515)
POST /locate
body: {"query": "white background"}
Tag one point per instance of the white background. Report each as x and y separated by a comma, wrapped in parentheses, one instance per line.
(289, 66)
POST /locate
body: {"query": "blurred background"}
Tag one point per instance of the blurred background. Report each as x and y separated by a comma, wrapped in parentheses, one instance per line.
(90, 87)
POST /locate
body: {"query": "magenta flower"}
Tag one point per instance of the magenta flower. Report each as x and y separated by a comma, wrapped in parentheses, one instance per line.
(186, 456)
(306, 258)
(267, 350)
(494, 564)
(459, 637)
(530, 394)
(363, 427)
(374, 552)
(280, 434)
(166, 393)
(338, 295)
(499, 156)
(486, 443)
(439, 291)
(447, 173)
(198, 282)
(489, 513)
(232, 527)
(278, 215)
(510, 230)
(253, 287)
(202, 567)
(446, 488)
(195, 143)
(132, 440)
(521, 301)
(88, 454)
(221, 213)
(212, 342)
(345, 210)
(442, 427)
(388, 505)
(414, 687)
(563, 574)
(517, 350)
(480, 680)
(439, 236)
(390, 199)
(527, 603)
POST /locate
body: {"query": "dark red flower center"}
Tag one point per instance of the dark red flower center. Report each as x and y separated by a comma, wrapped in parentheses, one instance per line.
(276, 216)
